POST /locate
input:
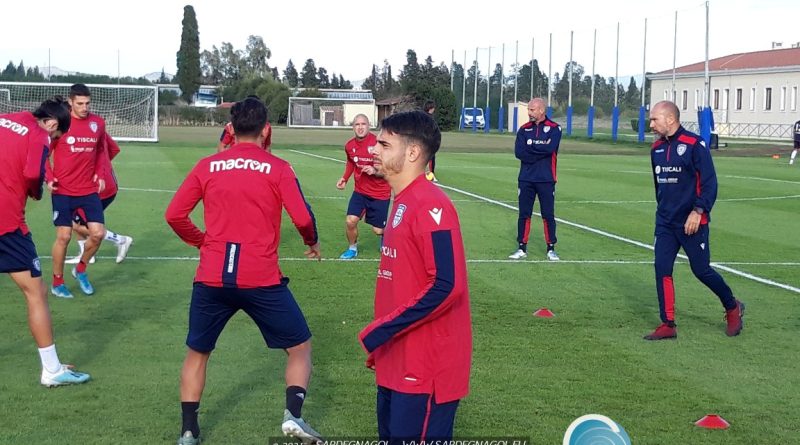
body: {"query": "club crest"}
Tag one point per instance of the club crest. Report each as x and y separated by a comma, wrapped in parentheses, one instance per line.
(93, 126)
(681, 149)
(37, 264)
(371, 149)
(547, 129)
(398, 215)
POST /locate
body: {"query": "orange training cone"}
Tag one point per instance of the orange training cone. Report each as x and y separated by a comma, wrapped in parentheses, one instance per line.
(713, 421)
(776, 156)
(544, 313)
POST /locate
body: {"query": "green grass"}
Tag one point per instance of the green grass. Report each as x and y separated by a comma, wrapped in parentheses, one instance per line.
(531, 377)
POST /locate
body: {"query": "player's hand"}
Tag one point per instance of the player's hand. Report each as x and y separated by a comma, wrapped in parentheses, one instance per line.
(52, 185)
(313, 253)
(368, 169)
(692, 224)
(101, 183)
(370, 363)
(341, 183)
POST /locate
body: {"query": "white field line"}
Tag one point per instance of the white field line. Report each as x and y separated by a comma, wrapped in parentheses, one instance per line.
(597, 231)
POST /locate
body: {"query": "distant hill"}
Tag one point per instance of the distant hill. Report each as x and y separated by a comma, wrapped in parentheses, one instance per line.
(154, 76)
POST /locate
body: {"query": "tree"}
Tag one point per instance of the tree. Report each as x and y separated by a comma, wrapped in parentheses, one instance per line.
(374, 82)
(335, 82)
(211, 66)
(188, 56)
(633, 96)
(344, 84)
(21, 71)
(256, 56)
(163, 78)
(308, 77)
(10, 71)
(290, 74)
(322, 76)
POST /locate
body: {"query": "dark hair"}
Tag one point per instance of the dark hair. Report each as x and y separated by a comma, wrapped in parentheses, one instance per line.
(429, 105)
(249, 117)
(79, 89)
(415, 126)
(55, 108)
(253, 96)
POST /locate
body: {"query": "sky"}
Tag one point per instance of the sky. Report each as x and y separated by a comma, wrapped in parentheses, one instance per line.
(347, 38)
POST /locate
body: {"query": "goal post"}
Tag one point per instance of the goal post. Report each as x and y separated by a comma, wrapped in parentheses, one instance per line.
(322, 112)
(130, 111)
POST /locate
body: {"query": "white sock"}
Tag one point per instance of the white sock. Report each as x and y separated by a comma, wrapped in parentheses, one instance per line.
(354, 247)
(114, 238)
(49, 358)
(794, 154)
(81, 246)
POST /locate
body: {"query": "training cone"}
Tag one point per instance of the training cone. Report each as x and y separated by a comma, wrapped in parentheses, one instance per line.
(713, 421)
(776, 156)
(544, 313)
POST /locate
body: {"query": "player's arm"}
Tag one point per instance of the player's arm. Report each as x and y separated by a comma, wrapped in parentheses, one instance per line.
(706, 177)
(112, 148)
(552, 143)
(523, 151)
(35, 168)
(438, 295)
(297, 207)
(49, 176)
(349, 168)
(226, 139)
(182, 204)
(268, 139)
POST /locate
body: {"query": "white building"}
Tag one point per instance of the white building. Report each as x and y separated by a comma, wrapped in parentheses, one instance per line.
(751, 94)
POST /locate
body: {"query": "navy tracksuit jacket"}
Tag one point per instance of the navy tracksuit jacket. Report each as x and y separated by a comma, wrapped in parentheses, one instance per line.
(537, 149)
(685, 180)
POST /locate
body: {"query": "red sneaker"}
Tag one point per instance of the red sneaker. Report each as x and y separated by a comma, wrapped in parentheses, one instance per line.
(734, 319)
(663, 332)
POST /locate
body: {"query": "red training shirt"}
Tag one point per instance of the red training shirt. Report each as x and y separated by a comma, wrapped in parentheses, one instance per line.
(244, 190)
(359, 154)
(421, 338)
(77, 157)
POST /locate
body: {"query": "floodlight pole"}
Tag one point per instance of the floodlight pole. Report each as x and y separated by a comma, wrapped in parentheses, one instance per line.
(550, 75)
(674, 56)
(452, 70)
(616, 73)
(644, 61)
(489, 77)
(533, 41)
(502, 69)
(594, 57)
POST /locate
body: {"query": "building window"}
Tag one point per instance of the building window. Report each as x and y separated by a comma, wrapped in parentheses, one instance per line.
(752, 99)
(684, 100)
(768, 99)
(783, 98)
(696, 99)
(793, 100)
(666, 94)
(716, 99)
(738, 98)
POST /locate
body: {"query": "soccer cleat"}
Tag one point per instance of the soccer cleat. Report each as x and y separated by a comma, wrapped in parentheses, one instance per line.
(83, 282)
(122, 249)
(663, 332)
(734, 319)
(77, 259)
(298, 428)
(61, 291)
(348, 254)
(64, 376)
(188, 439)
(552, 255)
(518, 255)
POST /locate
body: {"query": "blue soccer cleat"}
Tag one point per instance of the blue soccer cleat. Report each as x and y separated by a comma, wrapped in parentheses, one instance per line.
(348, 254)
(83, 281)
(61, 291)
(64, 376)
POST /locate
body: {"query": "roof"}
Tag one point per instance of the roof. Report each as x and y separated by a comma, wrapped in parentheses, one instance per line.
(758, 60)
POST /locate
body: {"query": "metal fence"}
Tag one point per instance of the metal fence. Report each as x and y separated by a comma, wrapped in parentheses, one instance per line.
(749, 131)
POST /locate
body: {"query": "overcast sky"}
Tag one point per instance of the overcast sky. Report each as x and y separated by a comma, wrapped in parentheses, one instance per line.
(348, 37)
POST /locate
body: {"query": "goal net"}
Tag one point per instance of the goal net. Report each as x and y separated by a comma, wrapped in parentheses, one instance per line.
(320, 112)
(130, 111)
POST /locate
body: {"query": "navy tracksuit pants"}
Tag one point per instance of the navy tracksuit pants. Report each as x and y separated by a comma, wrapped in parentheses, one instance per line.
(413, 417)
(528, 191)
(668, 241)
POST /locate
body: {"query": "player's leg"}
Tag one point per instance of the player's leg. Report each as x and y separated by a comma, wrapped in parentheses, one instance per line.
(526, 194)
(283, 326)
(355, 211)
(209, 312)
(546, 192)
(62, 220)
(698, 250)
(123, 242)
(666, 250)
(419, 418)
(793, 155)
(95, 223)
(376, 213)
(81, 233)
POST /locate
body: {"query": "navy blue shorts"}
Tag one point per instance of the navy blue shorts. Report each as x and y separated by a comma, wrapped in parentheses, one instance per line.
(18, 253)
(272, 308)
(64, 207)
(375, 209)
(80, 216)
(413, 417)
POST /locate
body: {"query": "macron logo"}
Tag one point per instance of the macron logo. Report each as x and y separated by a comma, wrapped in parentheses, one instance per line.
(13, 126)
(436, 214)
(240, 164)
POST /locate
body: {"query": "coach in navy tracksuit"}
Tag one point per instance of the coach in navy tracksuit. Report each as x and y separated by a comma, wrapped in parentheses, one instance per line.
(537, 149)
(686, 188)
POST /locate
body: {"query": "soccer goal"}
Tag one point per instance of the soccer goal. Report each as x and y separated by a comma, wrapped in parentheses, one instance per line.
(130, 111)
(321, 112)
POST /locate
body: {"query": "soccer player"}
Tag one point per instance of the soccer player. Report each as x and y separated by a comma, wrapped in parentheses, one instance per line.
(24, 140)
(228, 138)
(430, 108)
(371, 193)
(686, 188)
(796, 142)
(420, 342)
(243, 190)
(107, 196)
(75, 179)
(537, 149)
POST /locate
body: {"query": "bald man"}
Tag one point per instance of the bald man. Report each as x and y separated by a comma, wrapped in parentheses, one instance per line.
(537, 149)
(686, 188)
